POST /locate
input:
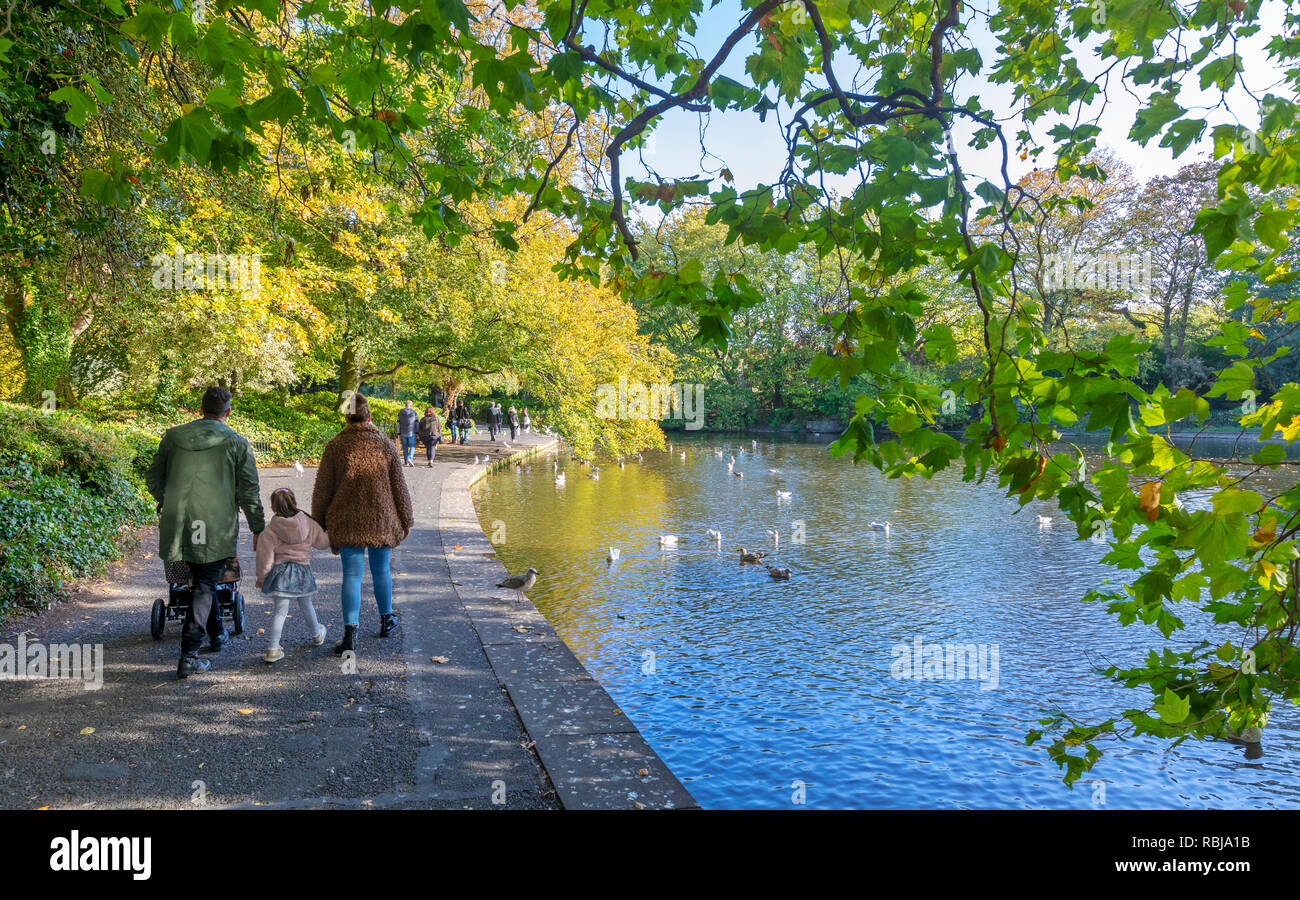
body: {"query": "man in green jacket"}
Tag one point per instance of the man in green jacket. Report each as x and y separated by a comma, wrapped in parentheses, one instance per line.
(201, 476)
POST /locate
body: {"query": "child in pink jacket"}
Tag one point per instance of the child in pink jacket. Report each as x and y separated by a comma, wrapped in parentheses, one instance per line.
(284, 566)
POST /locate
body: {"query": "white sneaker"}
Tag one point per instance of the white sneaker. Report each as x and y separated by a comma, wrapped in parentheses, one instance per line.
(275, 654)
(319, 638)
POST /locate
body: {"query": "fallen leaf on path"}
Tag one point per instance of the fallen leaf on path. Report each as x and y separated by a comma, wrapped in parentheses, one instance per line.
(643, 773)
(261, 631)
(522, 629)
(87, 730)
(528, 745)
(440, 659)
(22, 727)
(457, 547)
(246, 711)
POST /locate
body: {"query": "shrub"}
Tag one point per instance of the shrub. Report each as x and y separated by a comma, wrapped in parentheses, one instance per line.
(71, 498)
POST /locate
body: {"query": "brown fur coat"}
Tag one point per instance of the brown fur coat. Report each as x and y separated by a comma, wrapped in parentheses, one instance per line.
(360, 497)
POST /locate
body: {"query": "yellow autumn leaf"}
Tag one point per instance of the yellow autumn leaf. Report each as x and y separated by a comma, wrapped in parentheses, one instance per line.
(246, 711)
(1149, 499)
(87, 730)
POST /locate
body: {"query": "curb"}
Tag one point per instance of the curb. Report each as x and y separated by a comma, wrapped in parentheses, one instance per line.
(593, 754)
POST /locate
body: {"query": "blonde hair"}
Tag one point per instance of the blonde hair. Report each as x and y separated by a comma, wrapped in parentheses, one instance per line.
(283, 503)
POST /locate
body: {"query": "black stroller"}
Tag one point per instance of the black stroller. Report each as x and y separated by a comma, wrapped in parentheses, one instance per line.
(227, 601)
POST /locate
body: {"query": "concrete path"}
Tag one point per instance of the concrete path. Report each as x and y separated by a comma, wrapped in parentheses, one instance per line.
(469, 707)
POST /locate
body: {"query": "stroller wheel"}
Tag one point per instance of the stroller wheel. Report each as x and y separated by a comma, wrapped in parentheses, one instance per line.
(237, 613)
(157, 619)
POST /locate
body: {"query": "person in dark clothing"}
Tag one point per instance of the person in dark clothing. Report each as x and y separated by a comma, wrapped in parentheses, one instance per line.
(463, 421)
(512, 418)
(492, 421)
(202, 475)
(407, 429)
(430, 433)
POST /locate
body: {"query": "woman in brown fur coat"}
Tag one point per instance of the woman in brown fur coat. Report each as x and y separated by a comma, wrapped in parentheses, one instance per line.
(362, 501)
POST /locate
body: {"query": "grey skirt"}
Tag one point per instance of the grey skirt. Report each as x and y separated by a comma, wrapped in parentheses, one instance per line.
(290, 579)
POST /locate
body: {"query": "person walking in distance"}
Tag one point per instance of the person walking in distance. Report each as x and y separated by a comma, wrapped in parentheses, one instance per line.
(430, 433)
(407, 430)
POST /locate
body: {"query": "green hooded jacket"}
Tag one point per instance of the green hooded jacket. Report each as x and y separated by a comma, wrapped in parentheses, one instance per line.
(201, 476)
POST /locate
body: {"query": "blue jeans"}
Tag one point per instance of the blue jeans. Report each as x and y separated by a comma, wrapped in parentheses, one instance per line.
(452, 426)
(354, 561)
(408, 448)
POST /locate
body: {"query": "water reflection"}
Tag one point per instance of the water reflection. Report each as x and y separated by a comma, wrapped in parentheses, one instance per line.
(750, 687)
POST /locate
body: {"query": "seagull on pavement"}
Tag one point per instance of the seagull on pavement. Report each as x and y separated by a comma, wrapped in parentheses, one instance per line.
(520, 583)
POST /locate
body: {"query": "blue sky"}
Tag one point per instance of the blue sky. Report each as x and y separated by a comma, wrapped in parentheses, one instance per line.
(755, 152)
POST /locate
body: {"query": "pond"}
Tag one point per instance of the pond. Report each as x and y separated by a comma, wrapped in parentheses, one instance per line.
(772, 694)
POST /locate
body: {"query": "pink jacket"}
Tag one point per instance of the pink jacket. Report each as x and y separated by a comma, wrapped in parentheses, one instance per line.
(289, 540)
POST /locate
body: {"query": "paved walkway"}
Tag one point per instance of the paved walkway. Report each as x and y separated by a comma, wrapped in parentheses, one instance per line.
(403, 731)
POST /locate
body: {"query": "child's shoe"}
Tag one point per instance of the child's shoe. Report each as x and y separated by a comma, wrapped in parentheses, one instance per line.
(319, 638)
(275, 654)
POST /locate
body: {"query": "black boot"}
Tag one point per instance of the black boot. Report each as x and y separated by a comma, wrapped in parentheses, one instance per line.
(218, 640)
(191, 663)
(348, 642)
(389, 625)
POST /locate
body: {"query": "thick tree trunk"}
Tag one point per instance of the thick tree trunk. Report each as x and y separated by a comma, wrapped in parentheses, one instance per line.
(349, 372)
(450, 391)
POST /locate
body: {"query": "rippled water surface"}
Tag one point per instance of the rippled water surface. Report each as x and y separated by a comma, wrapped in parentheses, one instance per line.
(749, 687)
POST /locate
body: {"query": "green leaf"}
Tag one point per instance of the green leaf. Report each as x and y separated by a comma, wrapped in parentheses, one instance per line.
(80, 104)
(1172, 708)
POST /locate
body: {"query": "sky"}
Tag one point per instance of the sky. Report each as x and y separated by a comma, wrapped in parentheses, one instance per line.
(755, 152)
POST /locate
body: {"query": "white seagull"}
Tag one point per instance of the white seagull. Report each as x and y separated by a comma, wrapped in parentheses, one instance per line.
(297, 467)
(782, 495)
(667, 540)
(613, 554)
(879, 526)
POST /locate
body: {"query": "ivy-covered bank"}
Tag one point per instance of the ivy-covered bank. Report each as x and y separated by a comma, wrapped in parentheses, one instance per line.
(71, 499)
(72, 495)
